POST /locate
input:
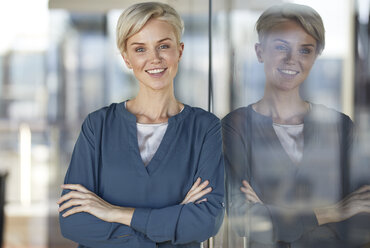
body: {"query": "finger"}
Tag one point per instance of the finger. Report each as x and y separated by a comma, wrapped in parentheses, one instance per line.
(247, 191)
(355, 196)
(202, 186)
(186, 198)
(71, 203)
(71, 195)
(363, 189)
(197, 189)
(244, 189)
(246, 184)
(356, 205)
(200, 194)
(251, 198)
(361, 193)
(195, 195)
(250, 195)
(74, 210)
(192, 197)
(364, 196)
(77, 187)
(355, 208)
(203, 200)
(196, 184)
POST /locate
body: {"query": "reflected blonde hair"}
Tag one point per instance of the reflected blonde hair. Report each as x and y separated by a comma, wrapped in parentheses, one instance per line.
(133, 19)
(304, 15)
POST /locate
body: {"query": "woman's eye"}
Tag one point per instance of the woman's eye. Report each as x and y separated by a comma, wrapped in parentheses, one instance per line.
(281, 48)
(305, 51)
(164, 46)
(139, 50)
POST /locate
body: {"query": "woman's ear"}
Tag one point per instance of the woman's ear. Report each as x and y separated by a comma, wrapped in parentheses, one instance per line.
(259, 50)
(181, 49)
(127, 61)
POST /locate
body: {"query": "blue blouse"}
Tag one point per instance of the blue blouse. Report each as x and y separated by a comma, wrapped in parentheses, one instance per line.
(106, 160)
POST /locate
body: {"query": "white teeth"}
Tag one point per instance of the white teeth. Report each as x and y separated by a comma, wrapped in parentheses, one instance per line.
(289, 72)
(155, 71)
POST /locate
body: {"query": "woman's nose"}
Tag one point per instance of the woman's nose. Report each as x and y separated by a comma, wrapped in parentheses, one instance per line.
(155, 56)
(291, 57)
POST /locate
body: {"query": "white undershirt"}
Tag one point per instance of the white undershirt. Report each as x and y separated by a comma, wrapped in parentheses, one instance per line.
(149, 138)
(291, 138)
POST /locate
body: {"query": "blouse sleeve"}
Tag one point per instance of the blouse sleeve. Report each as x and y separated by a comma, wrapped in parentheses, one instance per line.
(353, 166)
(85, 228)
(245, 218)
(190, 222)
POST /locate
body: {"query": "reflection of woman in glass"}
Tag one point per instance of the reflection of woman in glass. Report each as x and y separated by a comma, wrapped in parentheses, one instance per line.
(147, 172)
(284, 156)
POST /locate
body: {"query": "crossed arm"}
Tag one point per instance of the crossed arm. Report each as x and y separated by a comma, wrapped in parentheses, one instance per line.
(91, 221)
(355, 203)
(80, 199)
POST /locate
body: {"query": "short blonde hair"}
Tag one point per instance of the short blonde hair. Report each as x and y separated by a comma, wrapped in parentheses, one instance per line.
(136, 16)
(304, 15)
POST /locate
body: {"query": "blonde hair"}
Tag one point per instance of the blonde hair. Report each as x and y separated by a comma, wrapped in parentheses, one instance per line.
(304, 15)
(136, 16)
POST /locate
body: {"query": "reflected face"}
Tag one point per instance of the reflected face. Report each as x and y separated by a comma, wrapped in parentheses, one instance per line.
(153, 54)
(288, 53)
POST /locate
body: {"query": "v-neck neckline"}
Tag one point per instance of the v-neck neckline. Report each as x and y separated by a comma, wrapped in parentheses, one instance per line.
(269, 123)
(164, 145)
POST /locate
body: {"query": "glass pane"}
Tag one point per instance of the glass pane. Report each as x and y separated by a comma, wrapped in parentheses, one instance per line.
(257, 150)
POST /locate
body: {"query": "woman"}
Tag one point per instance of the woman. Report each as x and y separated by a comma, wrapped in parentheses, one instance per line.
(147, 172)
(285, 157)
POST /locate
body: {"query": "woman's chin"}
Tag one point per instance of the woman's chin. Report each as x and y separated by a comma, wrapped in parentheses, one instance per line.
(158, 86)
(286, 86)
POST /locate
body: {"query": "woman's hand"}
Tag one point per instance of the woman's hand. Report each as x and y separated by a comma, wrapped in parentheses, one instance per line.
(355, 203)
(249, 193)
(83, 200)
(197, 191)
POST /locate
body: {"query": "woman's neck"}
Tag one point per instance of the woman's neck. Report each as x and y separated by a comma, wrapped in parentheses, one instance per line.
(282, 107)
(154, 106)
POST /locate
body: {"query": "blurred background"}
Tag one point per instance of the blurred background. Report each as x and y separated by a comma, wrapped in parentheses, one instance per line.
(59, 61)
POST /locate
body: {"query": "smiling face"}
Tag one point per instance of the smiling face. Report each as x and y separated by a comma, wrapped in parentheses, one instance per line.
(288, 53)
(153, 54)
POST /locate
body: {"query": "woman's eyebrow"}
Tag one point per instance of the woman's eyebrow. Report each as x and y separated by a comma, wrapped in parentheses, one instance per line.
(136, 43)
(141, 43)
(312, 45)
(168, 38)
(286, 42)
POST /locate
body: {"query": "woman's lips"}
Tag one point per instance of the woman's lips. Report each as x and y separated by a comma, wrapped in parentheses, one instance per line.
(288, 72)
(156, 71)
